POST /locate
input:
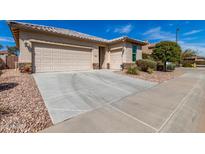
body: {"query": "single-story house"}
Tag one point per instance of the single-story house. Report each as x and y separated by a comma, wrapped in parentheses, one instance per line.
(50, 49)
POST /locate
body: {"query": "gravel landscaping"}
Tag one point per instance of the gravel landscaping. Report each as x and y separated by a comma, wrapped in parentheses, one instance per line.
(21, 106)
(156, 76)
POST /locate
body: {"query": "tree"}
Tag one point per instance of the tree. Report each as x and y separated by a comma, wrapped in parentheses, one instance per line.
(12, 50)
(166, 51)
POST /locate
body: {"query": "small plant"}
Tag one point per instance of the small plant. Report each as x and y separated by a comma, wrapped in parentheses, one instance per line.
(26, 68)
(150, 70)
(1, 72)
(144, 64)
(188, 64)
(133, 70)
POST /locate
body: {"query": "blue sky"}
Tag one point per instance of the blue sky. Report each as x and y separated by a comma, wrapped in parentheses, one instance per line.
(191, 34)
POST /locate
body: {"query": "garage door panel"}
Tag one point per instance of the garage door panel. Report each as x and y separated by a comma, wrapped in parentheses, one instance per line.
(116, 59)
(57, 58)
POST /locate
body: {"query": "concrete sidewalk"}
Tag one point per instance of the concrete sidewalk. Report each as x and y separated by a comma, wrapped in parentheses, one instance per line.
(173, 106)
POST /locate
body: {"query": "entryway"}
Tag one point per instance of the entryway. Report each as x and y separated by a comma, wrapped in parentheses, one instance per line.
(102, 59)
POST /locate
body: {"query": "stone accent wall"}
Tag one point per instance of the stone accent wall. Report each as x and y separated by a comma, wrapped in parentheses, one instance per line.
(25, 67)
(96, 66)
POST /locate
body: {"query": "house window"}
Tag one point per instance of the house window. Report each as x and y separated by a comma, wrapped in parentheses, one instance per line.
(134, 53)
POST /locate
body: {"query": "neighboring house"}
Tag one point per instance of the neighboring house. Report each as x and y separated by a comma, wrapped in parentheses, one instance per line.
(195, 58)
(8, 60)
(198, 60)
(148, 49)
(54, 49)
(3, 54)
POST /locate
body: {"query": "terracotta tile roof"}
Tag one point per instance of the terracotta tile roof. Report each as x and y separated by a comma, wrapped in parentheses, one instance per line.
(20, 25)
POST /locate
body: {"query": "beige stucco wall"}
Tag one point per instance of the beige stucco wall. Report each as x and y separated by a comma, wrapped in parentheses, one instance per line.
(128, 53)
(146, 49)
(25, 54)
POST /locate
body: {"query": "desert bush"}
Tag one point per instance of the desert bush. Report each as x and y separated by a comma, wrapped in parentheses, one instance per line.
(133, 70)
(127, 65)
(144, 64)
(188, 64)
(26, 68)
(150, 70)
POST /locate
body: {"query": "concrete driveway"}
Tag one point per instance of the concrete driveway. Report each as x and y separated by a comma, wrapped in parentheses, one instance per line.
(69, 94)
(173, 106)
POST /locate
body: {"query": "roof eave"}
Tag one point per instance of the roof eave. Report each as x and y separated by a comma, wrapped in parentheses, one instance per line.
(16, 25)
(15, 33)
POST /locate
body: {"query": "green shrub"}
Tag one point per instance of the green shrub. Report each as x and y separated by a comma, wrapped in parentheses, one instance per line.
(171, 66)
(150, 70)
(144, 64)
(27, 68)
(188, 64)
(133, 70)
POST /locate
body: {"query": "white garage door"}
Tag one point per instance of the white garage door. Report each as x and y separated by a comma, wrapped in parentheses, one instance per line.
(116, 59)
(50, 58)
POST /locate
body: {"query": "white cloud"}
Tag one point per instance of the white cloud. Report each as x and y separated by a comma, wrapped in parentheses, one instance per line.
(158, 34)
(193, 32)
(6, 39)
(124, 29)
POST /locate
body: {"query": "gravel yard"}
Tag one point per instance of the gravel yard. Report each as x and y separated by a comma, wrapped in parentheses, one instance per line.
(21, 106)
(156, 76)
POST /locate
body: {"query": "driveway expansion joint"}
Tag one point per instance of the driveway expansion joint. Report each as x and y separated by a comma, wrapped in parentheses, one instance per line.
(181, 104)
(134, 118)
